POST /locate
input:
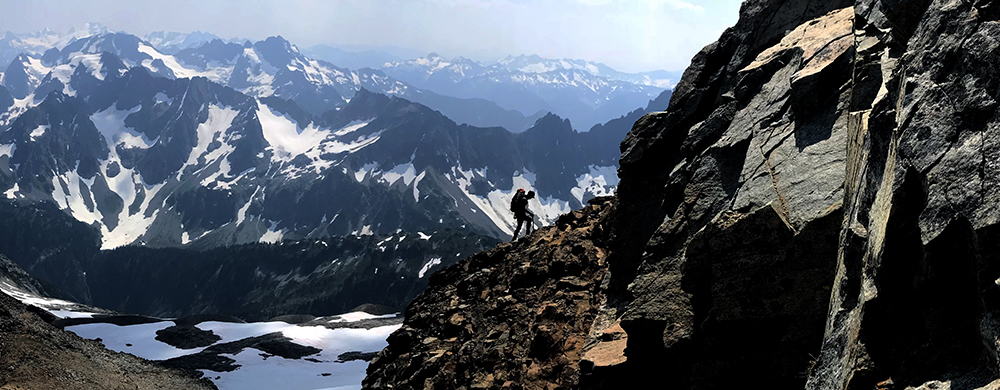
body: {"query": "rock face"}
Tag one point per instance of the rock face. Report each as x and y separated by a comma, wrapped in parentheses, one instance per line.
(915, 298)
(816, 209)
(36, 355)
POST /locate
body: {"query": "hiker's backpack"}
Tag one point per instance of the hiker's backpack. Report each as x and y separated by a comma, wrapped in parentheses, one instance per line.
(518, 202)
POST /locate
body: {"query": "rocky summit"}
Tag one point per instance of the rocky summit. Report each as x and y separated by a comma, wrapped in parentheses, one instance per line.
(815, 209)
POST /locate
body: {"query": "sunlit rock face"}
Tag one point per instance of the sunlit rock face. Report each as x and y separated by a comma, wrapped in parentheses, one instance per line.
(814, 210)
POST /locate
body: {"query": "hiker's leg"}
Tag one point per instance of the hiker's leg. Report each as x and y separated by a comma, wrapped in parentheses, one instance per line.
(517, 229)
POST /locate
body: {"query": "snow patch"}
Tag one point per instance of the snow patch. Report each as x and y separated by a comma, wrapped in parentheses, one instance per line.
(219, 120)
(139, 340)
(179, 70)
(73, 200)
(416, 183)
(600, 181)
(8, 150)
(11, 193)
(111, 124)
(58, 307)
(38, 132)
(273, 235)
(403, 171)
(322, 371)
(427, 266)
(364, 171)
(284, 136)
(356, 316)
(351, 127)
(241, 215)
(256, 372)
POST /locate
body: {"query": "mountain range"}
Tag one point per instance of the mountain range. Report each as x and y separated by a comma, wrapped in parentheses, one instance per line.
(813, 210)
(228, 144)
(514, 92)
(586, 93)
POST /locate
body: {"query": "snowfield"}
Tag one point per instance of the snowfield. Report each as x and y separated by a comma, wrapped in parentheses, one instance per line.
(258, 370)
(334, 335)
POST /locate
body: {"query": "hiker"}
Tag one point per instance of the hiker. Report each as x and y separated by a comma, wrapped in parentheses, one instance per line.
(519, 205)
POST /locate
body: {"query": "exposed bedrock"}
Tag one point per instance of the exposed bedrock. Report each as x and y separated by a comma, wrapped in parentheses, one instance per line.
(516, 316)
(818, 208)
(730, 280)
(914, 299)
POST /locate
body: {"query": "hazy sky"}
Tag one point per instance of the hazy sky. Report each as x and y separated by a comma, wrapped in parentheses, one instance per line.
(629, 35)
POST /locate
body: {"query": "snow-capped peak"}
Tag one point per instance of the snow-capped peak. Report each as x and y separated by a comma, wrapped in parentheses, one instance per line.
(40, 41)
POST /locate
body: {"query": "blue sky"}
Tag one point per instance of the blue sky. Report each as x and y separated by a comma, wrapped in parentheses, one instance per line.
(629, 35)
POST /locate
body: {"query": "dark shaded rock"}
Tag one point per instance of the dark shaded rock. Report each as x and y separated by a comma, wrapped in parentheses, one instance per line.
(186, 337)
(374, 309)
(199, 318)
(6, 99)
(202, 361)
(336, 323)
(50, 245)
(273, 344)
(293, 318)
(116, 319)
(356, 355)
(914, 297)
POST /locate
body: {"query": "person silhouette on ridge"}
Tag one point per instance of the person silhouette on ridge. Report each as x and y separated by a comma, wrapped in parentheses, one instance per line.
(519, 205)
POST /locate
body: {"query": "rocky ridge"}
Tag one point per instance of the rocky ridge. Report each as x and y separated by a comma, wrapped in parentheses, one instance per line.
(522, 309)
(813, 210)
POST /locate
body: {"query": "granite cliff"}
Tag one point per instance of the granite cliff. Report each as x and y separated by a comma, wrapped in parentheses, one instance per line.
(815, 209)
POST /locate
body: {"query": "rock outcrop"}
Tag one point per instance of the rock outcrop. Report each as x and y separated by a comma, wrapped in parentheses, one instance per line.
(916, 296)
(816, 209)
(516, 316)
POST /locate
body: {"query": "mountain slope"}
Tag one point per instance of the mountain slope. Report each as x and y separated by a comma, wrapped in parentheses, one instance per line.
(39, 356)
(256, 282)
(522, 309)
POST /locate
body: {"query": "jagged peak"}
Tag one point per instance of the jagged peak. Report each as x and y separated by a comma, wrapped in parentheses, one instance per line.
(276, 39)
(551, 119)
